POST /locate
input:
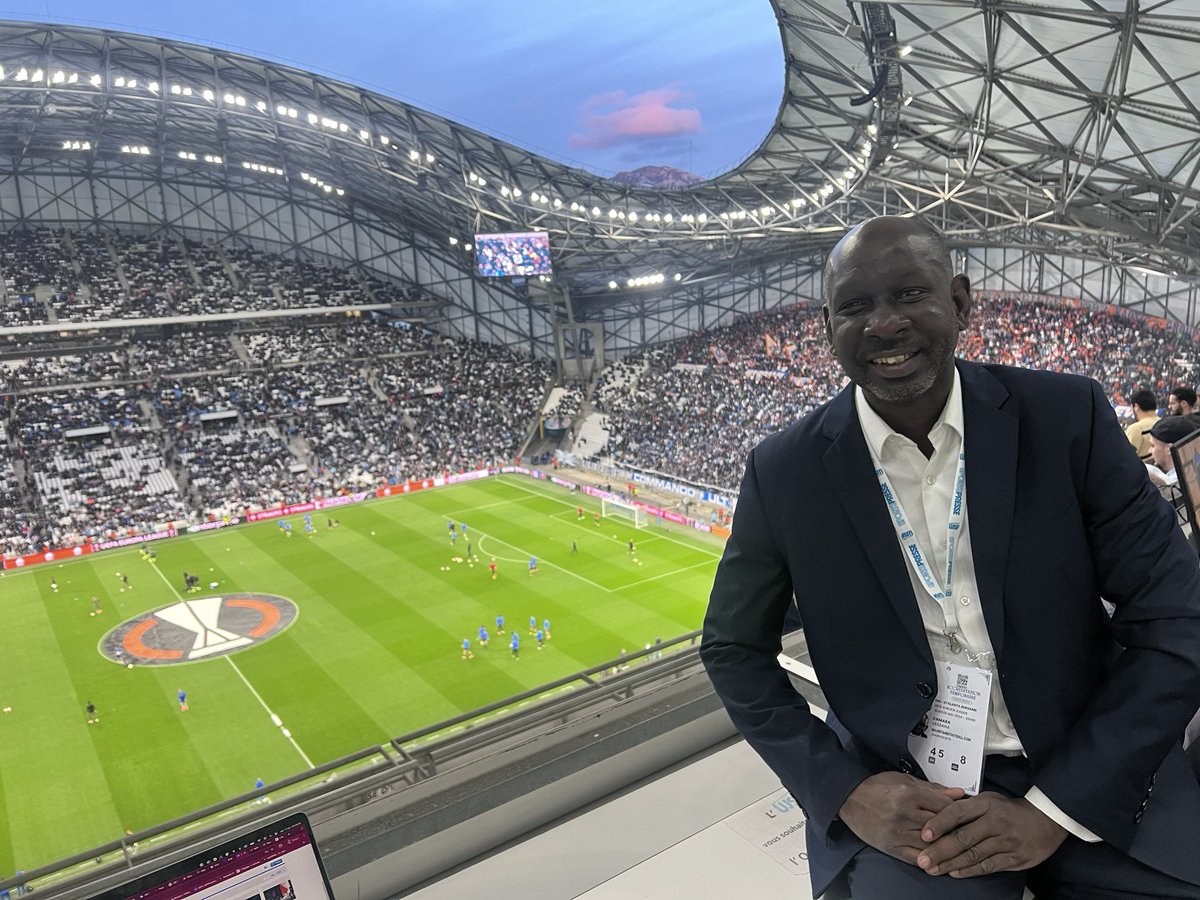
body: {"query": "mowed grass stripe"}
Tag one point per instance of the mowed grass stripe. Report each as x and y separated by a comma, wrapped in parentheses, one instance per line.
(401, 618)
(46, 733)
(221, 713)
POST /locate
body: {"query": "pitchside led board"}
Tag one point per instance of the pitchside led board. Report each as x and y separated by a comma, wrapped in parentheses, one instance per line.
(1186, 453)
(517, 254)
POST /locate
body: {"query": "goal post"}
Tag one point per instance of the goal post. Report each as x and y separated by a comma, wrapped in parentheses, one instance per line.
(617, 509)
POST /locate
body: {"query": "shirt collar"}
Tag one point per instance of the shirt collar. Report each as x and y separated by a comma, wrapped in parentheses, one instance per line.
(880, 435)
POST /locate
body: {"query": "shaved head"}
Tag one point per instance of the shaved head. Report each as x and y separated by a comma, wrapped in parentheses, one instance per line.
(916, 235)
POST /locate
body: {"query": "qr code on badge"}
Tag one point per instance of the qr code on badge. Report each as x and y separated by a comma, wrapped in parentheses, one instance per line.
(962, 681)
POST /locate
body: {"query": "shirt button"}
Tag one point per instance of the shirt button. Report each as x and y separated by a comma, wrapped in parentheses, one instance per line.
(925, 689)
(931, 480)
(965, 601)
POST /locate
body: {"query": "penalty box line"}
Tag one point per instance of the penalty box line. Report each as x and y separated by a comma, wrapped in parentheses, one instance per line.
(541, 560)
(275, 720)
(563, 502)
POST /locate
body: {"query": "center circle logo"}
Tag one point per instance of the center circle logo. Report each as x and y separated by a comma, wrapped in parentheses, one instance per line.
(194, 630)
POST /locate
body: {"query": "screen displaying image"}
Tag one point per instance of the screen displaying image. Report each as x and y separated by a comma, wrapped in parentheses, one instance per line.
(519, 253)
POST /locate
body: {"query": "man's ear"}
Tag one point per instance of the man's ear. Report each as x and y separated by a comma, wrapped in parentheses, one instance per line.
(960, 293)
(828, 330)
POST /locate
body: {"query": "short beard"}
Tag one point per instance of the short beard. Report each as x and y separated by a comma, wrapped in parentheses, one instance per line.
(907, 391)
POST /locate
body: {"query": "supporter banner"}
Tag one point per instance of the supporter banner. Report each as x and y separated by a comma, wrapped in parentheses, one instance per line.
(408, 487)
(694, 368)
(468, 476)
(665, 483)
(766, 373)
(658, 479)
(134, 539)
(47, 556)
(343, 499)
(308, 506)
(213, 526)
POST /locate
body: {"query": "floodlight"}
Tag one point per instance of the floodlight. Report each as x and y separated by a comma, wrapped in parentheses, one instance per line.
(612, 285)
(363, 134)
(239, 100)
(428, 157)
(94, 81)
(131, 83)
(595, 210)
(73, 78)
(207, 95)
(38, 75)
(187, 91)
(343, 127)
(678, 276)
(414, 155)
(453, 241)
(261, 106)
(516, 192)
(59, 77)
(152, 87)
(292, 112)
(383, 139)
(557, 202)
(340, 192)
(633, 217)
(668, 218)
(23, 74)
(313, 118)
(702, 218)
(905, 50)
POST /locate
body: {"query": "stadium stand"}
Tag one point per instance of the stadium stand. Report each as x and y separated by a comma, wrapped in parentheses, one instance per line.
(203, 420)
(694, 408)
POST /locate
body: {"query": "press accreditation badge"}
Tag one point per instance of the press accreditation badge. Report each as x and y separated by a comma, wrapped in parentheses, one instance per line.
(948, 741)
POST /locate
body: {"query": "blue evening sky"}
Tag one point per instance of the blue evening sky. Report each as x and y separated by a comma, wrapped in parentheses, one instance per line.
(606, 85)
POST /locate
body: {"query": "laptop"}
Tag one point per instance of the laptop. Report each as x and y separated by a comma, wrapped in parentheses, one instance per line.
(276, 862)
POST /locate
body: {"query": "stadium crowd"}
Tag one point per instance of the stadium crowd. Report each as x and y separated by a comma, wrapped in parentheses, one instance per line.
(210, 418)
(694, 408)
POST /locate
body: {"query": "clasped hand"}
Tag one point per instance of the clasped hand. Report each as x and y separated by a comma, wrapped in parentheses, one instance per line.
(943, 831)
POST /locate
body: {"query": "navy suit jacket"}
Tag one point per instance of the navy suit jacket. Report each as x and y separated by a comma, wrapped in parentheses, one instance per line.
(1061, 514)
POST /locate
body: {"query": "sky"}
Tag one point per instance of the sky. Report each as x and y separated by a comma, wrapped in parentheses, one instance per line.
(607, 85)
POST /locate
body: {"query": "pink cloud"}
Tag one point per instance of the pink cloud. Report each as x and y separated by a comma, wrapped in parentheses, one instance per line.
(613, 118)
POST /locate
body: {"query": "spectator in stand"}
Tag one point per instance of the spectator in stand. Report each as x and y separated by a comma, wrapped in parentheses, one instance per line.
(1145, 414)
(1181, 401)
(1167, 431)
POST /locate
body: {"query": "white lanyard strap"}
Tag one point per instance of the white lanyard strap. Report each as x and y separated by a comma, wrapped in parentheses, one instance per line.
(942, 594)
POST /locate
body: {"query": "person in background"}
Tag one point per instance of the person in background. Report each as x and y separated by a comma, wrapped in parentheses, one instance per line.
(1145, 414)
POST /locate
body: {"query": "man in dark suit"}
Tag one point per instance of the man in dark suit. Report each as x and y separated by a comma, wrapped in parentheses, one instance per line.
(940, 520)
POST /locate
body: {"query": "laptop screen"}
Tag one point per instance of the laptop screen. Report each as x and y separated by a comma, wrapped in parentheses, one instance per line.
(278, 862)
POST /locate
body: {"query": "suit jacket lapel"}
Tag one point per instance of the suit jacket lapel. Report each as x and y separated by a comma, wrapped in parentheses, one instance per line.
(851, 476)
(991, 439)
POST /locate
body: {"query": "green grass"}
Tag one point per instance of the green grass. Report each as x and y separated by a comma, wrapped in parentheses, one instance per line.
(374, 653)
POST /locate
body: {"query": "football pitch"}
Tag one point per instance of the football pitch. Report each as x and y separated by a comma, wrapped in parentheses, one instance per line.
(382, 604)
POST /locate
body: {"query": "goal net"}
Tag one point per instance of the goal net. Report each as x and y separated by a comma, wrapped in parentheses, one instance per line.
(627, 511)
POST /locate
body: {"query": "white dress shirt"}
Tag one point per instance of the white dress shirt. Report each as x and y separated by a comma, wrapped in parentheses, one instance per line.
(925, 488)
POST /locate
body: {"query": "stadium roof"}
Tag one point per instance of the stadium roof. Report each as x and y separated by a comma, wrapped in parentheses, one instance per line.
(1070, 128)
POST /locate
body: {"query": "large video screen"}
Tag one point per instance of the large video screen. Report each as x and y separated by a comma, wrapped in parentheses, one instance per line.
(520, 253)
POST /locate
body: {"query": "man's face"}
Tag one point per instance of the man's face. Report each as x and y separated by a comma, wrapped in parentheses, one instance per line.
(1160, 452)
(1173, 405)
(891, 314)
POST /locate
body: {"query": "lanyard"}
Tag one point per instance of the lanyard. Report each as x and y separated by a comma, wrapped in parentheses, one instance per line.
(942, 593)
